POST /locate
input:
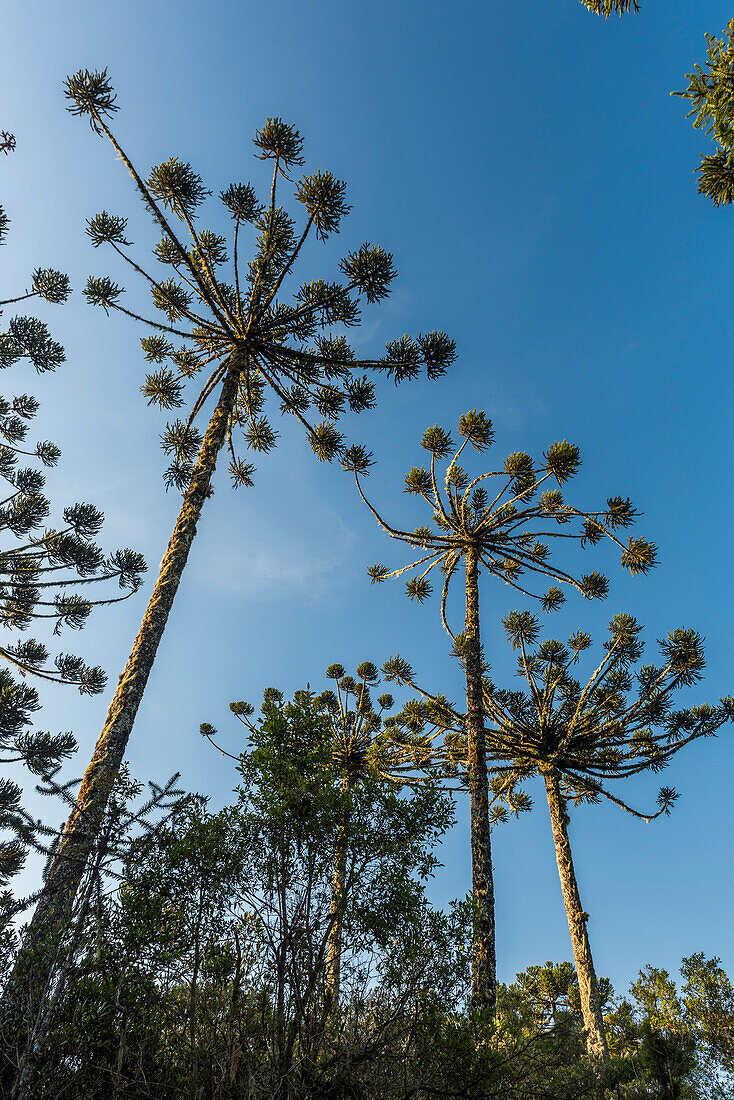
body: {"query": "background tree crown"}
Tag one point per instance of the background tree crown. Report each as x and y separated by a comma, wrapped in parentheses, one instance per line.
(504, 518)
(619, 723)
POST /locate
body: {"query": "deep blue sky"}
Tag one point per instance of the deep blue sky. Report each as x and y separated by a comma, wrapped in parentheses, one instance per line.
(526, 165)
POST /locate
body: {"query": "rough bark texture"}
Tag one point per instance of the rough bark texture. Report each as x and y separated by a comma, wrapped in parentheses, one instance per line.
(484, 965)
(588, 986)
(338, 905)
(81, 829)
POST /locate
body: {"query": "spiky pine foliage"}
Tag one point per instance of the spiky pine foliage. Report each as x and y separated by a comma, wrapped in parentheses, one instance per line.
(506, 532)
(711, 93)
(357, 725)
(508, 528)
(289, 339)
(354, 720)
(611, 7)
(45, 571)
(366, 739)
(550, 992)
(408, 748)
(40, 752)
(427, 738)
(27, 337)
(619, 723)
(578, 738)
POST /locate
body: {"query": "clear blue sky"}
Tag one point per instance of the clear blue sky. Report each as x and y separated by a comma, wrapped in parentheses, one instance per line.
(534, 179)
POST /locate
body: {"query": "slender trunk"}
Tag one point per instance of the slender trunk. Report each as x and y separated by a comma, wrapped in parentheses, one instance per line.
(194, 998)
(588, 985)
(81, 829)
(281, 966)
(338, 905)
(39, 1031)
(118, 1064)
(229, 1070)
(484, 964)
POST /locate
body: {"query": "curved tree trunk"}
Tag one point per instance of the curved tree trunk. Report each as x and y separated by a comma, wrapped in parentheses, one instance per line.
(588, 985)
(338, 905)
(67, 869)
(484, 965)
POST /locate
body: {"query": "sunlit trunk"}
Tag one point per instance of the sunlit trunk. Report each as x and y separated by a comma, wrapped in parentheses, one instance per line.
(596, 1041)
(67, 869)
(484, 966)
(338, 905)
(44, 1002)
(194, 999)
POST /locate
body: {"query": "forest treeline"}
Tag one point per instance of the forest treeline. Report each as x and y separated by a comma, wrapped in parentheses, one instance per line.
(285, 946)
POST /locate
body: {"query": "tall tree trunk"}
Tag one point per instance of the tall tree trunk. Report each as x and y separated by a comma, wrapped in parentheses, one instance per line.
(49, 996)
(232, 1057)
(194, 998)
(484, 964)
(67, 869)
(596, 1041)
(338, 905)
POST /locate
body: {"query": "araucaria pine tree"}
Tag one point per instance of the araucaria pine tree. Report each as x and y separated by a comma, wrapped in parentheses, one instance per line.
(611, 7)
(234, 324)
(579, 739)
(711, 92)
(45, 572)
(506, 533)
(582, 738)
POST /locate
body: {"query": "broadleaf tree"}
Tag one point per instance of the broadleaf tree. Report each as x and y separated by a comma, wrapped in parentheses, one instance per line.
(305, 829)
(357, 740)
(256, 345)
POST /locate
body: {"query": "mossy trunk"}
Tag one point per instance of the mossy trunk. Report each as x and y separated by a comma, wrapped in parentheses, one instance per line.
(484, 965)
(596, 1041)
(338, 905)
(67, 869)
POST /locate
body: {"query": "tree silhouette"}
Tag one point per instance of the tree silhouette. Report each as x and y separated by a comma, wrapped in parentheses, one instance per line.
(503, 534)
(255, 345)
